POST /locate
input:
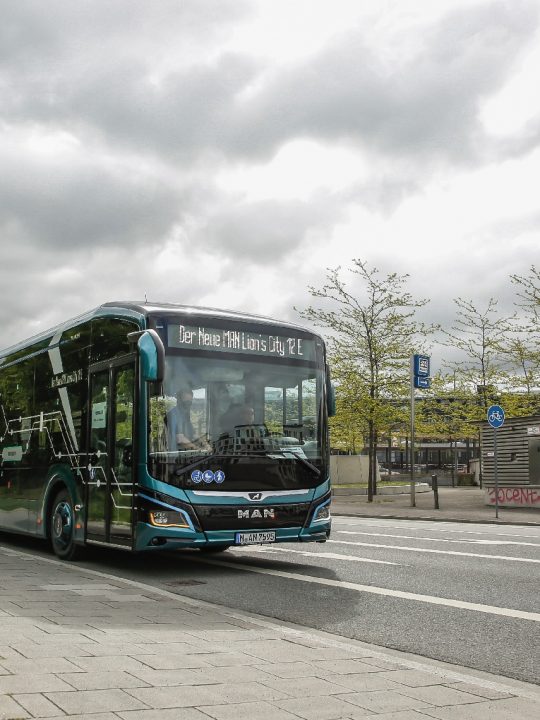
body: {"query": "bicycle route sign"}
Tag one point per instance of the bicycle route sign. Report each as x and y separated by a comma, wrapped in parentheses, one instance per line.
(495, 416)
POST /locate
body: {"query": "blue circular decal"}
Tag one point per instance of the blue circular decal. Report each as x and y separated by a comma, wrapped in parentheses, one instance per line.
(196, 476)
(495, 416)
(208, 476)
(219, 476)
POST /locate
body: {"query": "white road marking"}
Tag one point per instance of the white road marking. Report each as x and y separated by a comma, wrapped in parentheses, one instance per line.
(367, 522)
(332, 556)
(430, 599)
(473, 541)
(432, 550)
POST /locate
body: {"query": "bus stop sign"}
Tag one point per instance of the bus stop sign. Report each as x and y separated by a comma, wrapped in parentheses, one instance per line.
(421, 365)
(495, 416)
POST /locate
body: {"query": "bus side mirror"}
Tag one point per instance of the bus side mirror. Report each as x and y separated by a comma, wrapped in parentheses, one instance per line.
(330, 394)
(152, 354)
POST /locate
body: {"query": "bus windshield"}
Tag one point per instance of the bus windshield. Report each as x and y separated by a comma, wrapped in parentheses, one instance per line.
(239, 421)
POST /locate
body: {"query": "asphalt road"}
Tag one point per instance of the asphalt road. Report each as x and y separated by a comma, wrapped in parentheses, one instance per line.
(462, 593)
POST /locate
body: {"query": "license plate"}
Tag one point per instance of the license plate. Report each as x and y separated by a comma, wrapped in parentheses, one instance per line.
(255, 538)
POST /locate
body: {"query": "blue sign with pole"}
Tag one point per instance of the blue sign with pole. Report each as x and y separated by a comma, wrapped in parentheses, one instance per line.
(421, 365)
(495, 416)
(419, 369)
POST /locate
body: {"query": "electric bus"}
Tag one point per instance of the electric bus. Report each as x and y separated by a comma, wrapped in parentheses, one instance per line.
(148, 426)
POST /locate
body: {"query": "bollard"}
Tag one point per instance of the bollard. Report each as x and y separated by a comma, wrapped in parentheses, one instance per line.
(435, 488)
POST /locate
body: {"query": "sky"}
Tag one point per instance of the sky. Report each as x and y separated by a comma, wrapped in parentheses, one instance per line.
(225, 153)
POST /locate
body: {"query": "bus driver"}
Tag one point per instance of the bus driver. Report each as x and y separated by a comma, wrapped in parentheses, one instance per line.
(179, 426)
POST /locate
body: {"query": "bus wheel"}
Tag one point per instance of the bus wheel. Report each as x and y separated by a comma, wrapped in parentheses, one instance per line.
(210, 549)
(62, 526)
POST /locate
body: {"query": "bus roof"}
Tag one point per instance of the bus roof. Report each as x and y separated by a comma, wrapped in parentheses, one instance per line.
(140, 310)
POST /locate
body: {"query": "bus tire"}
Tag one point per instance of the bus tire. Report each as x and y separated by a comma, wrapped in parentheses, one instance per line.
(62, 526)
(211, 549)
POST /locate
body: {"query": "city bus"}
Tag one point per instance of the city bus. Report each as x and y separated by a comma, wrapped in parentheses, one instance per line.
(148, 426)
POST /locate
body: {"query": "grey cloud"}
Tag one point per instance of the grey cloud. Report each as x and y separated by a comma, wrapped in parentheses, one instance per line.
(145, 89)
(103, 82)
(519, 144)
(266, 231)
(427, 106)
(182, 116)
(62, 30)
(79, 202)
(128, 71)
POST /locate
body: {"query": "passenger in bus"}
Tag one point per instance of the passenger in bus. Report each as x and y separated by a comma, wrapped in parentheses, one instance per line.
(238, 414)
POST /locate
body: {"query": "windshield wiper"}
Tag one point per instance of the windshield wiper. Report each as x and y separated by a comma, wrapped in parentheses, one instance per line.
(304, 461)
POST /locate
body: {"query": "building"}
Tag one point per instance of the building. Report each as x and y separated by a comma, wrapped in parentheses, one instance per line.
(511, 459)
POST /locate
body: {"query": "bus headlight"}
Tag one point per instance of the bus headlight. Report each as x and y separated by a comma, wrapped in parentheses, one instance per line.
(168, 518)
(322, 513)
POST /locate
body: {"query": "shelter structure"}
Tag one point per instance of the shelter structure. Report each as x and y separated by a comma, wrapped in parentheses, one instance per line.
(518, 462)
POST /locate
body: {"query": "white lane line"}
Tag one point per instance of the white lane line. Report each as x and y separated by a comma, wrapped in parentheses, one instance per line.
(408, 525)
(361, 544)
(332, 556)
(430, 599)
(473, 541)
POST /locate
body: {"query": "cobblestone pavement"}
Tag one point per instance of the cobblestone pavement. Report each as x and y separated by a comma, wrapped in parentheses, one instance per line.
(462, 504)
(80, 643)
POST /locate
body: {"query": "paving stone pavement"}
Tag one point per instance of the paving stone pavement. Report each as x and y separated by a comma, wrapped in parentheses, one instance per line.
(78, 643)
(459, 504)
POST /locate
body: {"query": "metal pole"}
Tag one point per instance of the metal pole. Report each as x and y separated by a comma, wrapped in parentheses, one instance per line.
(496, 473)
(413, 496)
(435, 488)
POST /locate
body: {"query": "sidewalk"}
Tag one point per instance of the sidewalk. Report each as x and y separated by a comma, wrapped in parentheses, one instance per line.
(80, 643)
(460, 504)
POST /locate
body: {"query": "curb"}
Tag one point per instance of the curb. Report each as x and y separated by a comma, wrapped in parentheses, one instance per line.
(437, 519)
(343, 491)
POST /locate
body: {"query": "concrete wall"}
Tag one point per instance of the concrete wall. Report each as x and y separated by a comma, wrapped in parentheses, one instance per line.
(349, 469)
(475, 469)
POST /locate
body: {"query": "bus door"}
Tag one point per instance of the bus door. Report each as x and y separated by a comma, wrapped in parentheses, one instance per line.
(110, 470)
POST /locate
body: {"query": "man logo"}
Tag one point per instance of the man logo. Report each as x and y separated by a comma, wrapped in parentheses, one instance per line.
(255, 496)
(257, 514)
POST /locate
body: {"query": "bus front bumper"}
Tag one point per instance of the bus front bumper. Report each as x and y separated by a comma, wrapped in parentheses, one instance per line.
(152, 538)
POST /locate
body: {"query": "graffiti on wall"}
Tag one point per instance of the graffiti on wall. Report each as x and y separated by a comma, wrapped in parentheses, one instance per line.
(517, 496)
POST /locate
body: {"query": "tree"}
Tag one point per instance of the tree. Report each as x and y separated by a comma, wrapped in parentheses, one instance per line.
(447, 411)
(477, 335)
(523, 348)
(529, 293)
(372, 339)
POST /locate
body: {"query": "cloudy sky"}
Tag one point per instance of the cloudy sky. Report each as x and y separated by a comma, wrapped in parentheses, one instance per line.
(227, 152)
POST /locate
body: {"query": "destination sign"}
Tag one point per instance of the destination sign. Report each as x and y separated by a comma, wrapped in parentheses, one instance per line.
(198, 337)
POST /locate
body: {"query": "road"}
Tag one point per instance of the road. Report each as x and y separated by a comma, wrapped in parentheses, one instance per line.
(462, 593)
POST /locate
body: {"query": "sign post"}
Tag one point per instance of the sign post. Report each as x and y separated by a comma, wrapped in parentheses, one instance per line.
(419, 379)
(495, 417)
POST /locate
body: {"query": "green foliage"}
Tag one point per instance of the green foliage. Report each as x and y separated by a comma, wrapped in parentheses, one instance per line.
(373, 333)
(523, 347)
(448, 410)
